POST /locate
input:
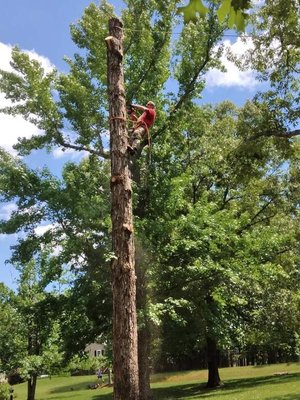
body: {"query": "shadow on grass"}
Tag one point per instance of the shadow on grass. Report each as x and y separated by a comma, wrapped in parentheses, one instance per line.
(82, 387)
(262, 380)
(199, 391)
(71, 388)
(96, 397)
(196, 390)
(102, 397)
(164, 376)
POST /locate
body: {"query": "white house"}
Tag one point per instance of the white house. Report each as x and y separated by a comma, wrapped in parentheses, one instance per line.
(95, 349)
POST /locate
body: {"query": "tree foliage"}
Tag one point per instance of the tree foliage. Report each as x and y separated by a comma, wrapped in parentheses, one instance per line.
(216, 206)
(31, 339)
(234, 11)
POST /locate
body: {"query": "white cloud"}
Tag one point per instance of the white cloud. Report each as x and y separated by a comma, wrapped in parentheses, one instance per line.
(12, 127)
(6, 210)
(70, 153)
(257, 3)
(40, 230)
(233, 76)
(5, 213)
(5, 51)
(44, 61)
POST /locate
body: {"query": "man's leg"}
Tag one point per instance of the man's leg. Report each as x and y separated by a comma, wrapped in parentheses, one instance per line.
(136, 138)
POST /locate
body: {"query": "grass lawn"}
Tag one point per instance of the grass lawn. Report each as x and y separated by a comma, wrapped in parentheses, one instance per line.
(240, 383)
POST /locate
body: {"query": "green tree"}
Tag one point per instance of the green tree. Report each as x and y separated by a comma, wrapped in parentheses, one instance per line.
(223, 207)
(8, 315)
(78, 108)
(35, 336)
(275, 56)
(76, 211)
(234, 11)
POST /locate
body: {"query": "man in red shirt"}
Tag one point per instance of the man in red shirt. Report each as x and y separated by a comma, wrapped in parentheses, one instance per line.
(141, 126)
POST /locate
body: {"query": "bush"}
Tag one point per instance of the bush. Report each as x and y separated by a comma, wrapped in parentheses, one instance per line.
(4, 391)
(86, 365)
(14, 377)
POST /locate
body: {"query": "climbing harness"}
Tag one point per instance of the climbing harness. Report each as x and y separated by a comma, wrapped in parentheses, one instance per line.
(136, 125)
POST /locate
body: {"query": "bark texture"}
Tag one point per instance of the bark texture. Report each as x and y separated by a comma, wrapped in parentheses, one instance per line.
(125, 357)
(31, 387)
(213, 364)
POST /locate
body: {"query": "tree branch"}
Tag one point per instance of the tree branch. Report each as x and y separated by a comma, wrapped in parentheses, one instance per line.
(211, 40)
(281, 134)
(254, 221)
(61, 141)
(83, 148)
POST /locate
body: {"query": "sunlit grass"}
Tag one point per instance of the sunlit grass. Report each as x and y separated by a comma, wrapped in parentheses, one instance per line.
(240, 383)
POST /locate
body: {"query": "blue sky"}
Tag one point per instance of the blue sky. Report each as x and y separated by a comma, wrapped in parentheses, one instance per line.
(41, 27)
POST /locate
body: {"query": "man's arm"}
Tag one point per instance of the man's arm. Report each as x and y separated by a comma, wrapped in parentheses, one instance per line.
(138, 107)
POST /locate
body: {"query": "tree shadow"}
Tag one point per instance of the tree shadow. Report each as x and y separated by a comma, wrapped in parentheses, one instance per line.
(164, 376)
(242, 383)
(80, 387)
(70, 388)
(107, 396)
(98, 396)
(199, 391)
(178, 392)
(286, 397)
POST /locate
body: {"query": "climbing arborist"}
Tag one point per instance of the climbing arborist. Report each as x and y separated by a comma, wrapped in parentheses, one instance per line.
(141, 125)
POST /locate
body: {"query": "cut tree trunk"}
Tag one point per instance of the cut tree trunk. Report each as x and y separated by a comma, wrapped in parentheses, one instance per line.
(125, 357)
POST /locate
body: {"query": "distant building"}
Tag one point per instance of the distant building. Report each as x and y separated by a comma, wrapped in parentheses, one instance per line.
(95, 349)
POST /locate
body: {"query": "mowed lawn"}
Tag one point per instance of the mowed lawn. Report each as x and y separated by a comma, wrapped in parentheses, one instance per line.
(240, 383)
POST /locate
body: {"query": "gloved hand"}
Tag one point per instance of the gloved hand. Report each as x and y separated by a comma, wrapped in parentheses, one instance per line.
(130, 109)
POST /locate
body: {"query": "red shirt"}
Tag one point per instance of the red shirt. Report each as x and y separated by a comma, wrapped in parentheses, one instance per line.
(148, 117)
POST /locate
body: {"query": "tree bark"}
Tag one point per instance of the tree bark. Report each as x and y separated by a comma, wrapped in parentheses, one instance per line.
(141, 268)
(125, 357)
(144, 337)
(31, 387)
(213, 364)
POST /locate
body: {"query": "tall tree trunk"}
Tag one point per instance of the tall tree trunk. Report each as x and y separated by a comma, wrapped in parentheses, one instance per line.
(213, 363)
(31, 386)
(144, 340)
(125, 357)
(141, 267)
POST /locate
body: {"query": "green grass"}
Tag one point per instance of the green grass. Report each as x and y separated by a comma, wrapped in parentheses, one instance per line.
(240, 383)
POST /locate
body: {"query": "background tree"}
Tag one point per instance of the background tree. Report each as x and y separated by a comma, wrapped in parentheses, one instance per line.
(35, 334)
(76, 211)
(218, 220)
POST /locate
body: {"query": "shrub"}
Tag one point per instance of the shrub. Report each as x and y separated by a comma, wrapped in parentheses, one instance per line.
(4, 391)
(86, 365)
(14, 377)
